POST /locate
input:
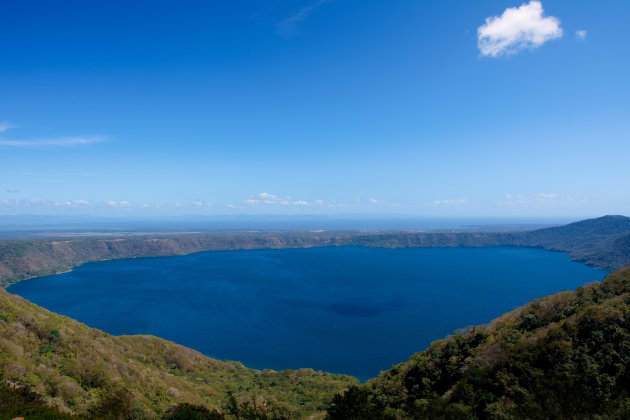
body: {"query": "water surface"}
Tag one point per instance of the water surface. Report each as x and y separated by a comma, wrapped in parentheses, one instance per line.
(343, 310)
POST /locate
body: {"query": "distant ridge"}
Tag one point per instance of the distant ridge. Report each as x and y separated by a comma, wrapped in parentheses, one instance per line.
(600, 242)
(594, 241)
(603, 226)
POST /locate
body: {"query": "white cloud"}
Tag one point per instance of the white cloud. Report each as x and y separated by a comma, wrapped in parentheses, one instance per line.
(288, 26)
(68, 141)
(537, 200)
(374, 201)
(4, 126)
(52, 142)
(38, 202)
(266, 198)
(518, 28)
(456, 202)
(581, 34)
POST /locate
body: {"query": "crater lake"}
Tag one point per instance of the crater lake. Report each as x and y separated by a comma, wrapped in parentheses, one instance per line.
(343, 310)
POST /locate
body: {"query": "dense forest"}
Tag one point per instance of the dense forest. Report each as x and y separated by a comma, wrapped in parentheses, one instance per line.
(565, 356)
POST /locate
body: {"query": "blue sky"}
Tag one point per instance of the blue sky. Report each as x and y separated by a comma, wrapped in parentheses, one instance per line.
(459, 108)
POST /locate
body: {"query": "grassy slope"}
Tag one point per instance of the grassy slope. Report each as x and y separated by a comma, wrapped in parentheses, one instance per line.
(564, 356)
(75, 367)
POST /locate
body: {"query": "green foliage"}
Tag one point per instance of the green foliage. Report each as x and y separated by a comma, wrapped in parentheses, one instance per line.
(186, 411)
(85, 371)
(563, 356)
(114, 402)
(254, 409)
(18, 400)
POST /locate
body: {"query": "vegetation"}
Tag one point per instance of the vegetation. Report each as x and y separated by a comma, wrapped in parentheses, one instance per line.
(602, 242)
(81, 370)
(562, 356)
(17, 399)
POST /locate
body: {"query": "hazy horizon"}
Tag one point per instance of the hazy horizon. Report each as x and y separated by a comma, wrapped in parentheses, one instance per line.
(336, 108)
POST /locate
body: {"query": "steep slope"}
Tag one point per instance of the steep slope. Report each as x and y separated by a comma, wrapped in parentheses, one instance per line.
(594, 241)
(83, 370)
(561, 356)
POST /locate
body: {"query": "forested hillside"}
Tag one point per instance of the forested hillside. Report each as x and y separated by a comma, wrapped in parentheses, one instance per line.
(86, 371)
(565, 356)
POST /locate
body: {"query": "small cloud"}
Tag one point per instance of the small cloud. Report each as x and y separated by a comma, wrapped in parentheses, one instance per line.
(52, 142)
(288, 27)
(200, 203)
(581, 34)
(536, 200)
(518, 28)
(12, 191)
(266, 198)
(4, 126)
(374, 201)
(456, 202)
(40, 203)
(112, 203)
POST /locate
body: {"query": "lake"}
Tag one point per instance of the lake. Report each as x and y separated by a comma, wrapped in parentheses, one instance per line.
(343, 310)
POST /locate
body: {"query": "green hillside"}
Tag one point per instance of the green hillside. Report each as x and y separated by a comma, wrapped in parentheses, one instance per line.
(562, 356)
(83, 370)
(565, 356)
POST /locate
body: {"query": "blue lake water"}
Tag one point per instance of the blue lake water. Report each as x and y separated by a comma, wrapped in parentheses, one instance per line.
(343, 310)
